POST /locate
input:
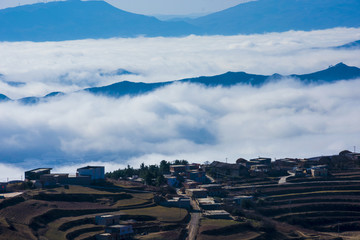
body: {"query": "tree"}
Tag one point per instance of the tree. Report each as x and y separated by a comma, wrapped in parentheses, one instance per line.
(160, 180)
(181, 162)
(164, 167)
(148, 178)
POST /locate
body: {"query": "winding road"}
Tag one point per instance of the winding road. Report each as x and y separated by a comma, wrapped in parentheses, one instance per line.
(193, 226)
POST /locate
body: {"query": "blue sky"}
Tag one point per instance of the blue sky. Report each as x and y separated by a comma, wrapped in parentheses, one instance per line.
(154, 7)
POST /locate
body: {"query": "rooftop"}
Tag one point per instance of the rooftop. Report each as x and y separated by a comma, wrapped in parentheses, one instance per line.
(91, 167)
(216, 212)
(37, 170)
(119, 226)
(210, 186)
(196, 190)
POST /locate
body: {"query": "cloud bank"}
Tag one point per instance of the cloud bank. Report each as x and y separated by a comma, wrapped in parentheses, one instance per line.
(181, 121)
(284, 119)
(73, 65)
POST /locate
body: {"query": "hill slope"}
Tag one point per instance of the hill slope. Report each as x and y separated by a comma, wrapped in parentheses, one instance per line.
(332, 74)
(281, 15)
(74, 19)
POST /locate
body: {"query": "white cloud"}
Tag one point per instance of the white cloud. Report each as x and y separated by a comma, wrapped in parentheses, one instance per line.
(72, 65)
(9, 173)
(182, 121)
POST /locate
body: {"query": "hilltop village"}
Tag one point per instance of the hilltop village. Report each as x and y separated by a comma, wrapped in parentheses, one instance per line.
(260, 198)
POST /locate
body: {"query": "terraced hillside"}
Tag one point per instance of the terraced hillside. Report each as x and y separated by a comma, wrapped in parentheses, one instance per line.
(69, 213)
(323, 208)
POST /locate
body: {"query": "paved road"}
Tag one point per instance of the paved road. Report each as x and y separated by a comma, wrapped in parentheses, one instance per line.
(10, 195)
(283, 179)
(193, 226)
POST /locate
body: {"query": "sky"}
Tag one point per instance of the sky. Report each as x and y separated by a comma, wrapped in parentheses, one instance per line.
(153, 7)
(182, 121)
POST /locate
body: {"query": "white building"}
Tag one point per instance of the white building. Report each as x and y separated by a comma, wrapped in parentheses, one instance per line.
(97, 173)
(120, 231)
(107, 220)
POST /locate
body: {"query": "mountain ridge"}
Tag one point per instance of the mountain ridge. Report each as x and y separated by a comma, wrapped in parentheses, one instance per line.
(75, 19)
(332, 74)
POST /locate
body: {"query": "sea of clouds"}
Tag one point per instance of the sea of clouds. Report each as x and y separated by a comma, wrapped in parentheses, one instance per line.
(181, 121)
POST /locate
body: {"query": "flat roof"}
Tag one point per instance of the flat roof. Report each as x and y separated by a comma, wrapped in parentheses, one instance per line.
(197, 190)
(217, 212)
(210, 185)
(36, 170)
(242, 197)
(119, 226)
(91, 167)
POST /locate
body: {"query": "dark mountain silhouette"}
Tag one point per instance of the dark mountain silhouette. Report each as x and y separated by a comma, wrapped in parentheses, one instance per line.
(4, 98)
(75, 19)
(281, 15)
(332, 74)
(352, 45)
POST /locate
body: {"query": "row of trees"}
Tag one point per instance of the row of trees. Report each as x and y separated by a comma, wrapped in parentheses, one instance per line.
(152, 174)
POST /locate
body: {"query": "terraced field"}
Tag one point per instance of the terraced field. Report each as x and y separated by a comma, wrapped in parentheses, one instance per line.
(331, 209)
(69, 213)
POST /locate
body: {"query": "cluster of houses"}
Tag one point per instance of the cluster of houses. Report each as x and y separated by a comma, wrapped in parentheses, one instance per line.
(197, 186)
(42, 177)
(189, 175)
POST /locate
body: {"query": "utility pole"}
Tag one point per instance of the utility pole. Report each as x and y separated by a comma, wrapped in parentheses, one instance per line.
(354, 149)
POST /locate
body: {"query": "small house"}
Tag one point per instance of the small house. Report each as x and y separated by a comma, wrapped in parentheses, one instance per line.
(35, 174)
(227, 169)
(179, 202)
(120, 231)
(171, 180)
(107, 220)
(262, 160)
(213, 189)
(188, 184)
(217, 214)
(196, 175)
(208, 204)
(97, 173)
(319, 171)
(104, 236)
(176, 169)
(260, 168)
(196, 193)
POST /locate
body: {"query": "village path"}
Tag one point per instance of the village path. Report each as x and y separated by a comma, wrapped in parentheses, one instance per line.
(283, 179)
(10, 195)
(193, 226)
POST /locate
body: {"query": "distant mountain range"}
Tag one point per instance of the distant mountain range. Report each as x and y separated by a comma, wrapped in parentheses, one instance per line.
(352, 45)
(74, 19)
(281, 15)
(334, 73)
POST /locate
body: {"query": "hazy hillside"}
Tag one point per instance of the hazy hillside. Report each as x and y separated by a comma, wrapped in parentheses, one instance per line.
(75, 19)
(351, 45)
(334, 73)
(281, 15)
